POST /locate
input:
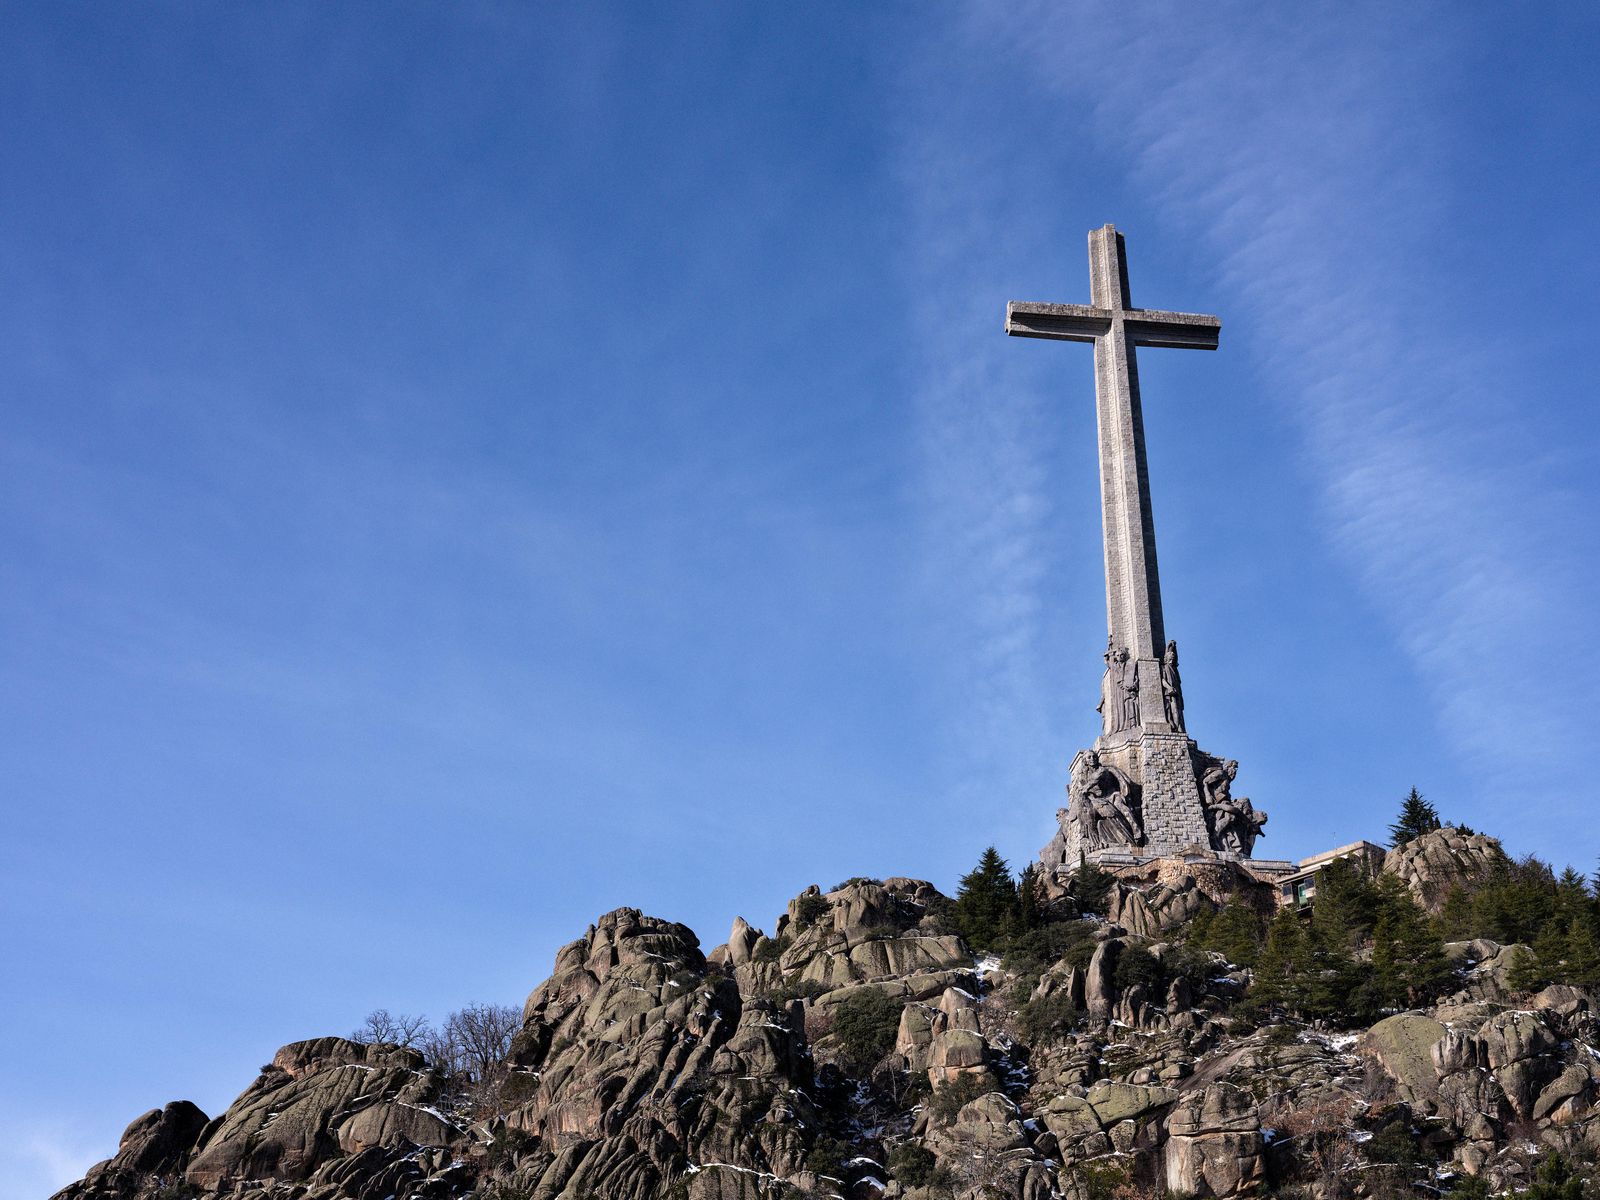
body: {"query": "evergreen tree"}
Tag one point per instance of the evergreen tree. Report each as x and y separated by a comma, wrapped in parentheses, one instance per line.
(1581, 957)
(1091, 886)
(1457, 915)
(1030, 899)
(1526, 973)
(986, 904)
(1346, 906)
(1417, 817)
(1555, 1179)
(1572, 899)
(1549, 959)
(1235, 933)
(1516, 903)
(1283, 975)
(1409, 966)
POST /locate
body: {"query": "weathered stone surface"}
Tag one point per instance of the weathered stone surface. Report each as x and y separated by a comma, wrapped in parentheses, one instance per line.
(1214, 1144)
(645, 1070)
(1403, 1045)
(155, 1145)
(289, 1120)
(1435, 862)
(1099, 986)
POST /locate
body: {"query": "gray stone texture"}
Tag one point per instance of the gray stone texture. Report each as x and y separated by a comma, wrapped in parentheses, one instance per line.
(1144, 776)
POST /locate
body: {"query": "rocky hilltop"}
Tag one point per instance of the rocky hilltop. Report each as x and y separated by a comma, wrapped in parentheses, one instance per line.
(863, 1047)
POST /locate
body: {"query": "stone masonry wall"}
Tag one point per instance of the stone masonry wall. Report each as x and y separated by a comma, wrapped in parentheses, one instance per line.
(1174, 816)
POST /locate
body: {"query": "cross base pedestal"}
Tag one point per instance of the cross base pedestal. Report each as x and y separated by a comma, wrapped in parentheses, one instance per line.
(1151, 793)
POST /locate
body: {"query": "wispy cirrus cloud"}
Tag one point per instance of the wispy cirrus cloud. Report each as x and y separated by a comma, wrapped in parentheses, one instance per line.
(1296, 146)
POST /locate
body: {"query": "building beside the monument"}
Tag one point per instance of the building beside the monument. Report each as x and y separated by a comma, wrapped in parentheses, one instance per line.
(1145, 790)
(1299, 890)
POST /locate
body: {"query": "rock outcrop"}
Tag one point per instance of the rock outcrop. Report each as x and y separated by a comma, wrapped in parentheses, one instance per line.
(645, 1069)
(1435, 863)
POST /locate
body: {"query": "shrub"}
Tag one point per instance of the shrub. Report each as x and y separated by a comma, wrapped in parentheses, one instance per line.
(1105, 1178)
(772, 949)
(1394, 1145)
(1136, 966)
(1554, 1178)
(800, 989)
(915, 1166)
(507, 1146)
(865, 1023)
(830, 1157)
(952, 1095)
(1031, 953)
(808, 910)
(1091, 887)
(1047, 1019)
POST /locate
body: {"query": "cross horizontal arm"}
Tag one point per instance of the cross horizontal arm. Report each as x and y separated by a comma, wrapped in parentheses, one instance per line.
(1084, 323)
(1174, 330)
(1067, 322)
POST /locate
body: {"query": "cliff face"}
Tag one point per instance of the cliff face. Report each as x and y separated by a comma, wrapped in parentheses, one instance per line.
(861, 1049)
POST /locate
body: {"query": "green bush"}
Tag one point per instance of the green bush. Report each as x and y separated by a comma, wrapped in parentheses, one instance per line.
(507, 1147)
(829, 1157)
(915, 1166)
(1394, 1145)
(808, 910)
(800, 989)
(953, 1094)
(1105, 1178)
(1047, 1019)
(1555, 1178)
(772, 949)
(865, 1023)
(1036, 950)
(1138, 966)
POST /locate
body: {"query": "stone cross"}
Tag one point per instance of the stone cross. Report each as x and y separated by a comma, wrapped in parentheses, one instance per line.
(1133, 588)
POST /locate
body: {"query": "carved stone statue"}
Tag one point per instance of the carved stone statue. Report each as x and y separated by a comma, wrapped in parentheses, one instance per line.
(1235, 823)
(1103, 798)
(1119, 691)
(1172, 687)
(1110, 707)
(1130, 690)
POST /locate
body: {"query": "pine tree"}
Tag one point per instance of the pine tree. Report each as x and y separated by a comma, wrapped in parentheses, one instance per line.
(1581, 955)
(1235, 933)
(1549, 963)
(1417, 817)
(1284, 972)
(986, 904)
(1030, 899)
(1572, 899)
(1091, 886)
(1409, 965)
(1346, 905)
(1525, 974)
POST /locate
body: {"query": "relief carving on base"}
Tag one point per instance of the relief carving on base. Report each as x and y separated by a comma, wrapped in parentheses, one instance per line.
(1234, 823)
(1105, 804)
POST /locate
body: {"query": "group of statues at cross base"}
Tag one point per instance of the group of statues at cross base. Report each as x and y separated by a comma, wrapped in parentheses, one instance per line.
(1120, 690)
(1105, 803)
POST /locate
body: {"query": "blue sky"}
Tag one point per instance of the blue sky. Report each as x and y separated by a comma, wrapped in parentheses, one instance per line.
(466, 468)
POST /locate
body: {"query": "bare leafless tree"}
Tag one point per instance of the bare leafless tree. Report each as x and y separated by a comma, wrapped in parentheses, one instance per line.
(481, 1035)
(394, 1029)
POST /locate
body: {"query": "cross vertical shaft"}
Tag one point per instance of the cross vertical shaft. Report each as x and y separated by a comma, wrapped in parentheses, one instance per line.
(1133, 585)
